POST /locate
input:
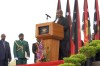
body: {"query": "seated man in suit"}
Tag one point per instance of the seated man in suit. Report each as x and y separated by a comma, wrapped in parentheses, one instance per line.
(5, 55)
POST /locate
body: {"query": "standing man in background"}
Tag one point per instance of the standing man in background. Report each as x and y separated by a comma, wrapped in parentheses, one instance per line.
(21, 50)
(64, 50)
(5, 55)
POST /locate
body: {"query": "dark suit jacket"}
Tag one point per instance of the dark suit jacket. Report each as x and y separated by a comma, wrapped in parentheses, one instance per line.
(64, 44)
(5, 52)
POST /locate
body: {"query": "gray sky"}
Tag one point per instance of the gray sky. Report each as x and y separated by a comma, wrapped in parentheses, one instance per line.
(21, 16)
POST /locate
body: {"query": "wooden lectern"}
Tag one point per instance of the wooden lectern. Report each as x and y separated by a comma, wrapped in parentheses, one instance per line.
(51, 33)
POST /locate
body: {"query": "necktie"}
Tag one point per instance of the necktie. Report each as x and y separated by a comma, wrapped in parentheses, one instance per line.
(3, 43)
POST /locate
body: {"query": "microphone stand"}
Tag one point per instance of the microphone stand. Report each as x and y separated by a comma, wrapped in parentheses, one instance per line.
(47, 17)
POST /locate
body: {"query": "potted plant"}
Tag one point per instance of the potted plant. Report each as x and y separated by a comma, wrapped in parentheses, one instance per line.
(97, 57)
(75, 61)
(96, 44)
(67, 64)
(81, 57)
(98, 48)
(88, 51)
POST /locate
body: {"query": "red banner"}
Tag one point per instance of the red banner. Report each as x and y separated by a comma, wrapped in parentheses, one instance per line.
(52, 63)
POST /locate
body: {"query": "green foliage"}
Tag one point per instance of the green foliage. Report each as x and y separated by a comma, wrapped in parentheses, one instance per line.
(98, 48)
(94, 43)
(75, 61)
(71, 60)
(88, 51)
(80, 56)
(67, 64)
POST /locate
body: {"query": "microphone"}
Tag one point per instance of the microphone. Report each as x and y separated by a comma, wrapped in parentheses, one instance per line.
(48, 15)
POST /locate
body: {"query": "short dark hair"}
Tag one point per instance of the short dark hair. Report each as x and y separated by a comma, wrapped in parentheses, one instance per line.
(3, 35)
(21, 34)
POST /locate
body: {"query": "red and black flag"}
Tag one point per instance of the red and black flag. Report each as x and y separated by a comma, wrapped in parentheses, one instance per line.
(68, 17)
(76, 31)
(86, 23)
(96, 23)
(59, 5)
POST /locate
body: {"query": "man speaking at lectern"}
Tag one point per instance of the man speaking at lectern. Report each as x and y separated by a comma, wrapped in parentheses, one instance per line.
(64, 50)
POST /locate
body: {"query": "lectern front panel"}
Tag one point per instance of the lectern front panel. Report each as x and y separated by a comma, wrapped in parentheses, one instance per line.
(44, 30)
